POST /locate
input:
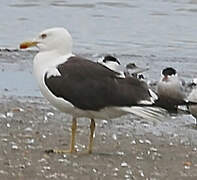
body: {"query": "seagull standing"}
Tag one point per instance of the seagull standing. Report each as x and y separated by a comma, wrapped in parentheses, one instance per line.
(83, 88)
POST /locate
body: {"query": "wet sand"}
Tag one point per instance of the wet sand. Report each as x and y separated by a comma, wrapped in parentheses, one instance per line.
(123, 148)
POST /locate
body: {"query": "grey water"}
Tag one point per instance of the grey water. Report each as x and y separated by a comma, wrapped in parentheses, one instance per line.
(154, 33)
(159, 27)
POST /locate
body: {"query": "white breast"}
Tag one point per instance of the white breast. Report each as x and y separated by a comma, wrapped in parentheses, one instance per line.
(41, 65)
(171, 88)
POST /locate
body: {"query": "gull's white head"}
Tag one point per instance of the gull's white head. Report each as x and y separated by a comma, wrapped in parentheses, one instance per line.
(53, 39)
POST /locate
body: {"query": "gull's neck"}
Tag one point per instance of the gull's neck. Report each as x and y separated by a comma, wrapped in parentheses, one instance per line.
(46, 59)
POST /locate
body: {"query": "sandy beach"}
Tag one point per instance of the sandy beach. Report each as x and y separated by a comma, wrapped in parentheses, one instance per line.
(123, 149)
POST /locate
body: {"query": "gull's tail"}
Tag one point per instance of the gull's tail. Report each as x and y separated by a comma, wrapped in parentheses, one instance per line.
(149, 113)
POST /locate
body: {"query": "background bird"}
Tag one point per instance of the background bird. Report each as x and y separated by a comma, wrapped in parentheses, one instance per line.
(170, 90)
(193, 97)
(131, 69)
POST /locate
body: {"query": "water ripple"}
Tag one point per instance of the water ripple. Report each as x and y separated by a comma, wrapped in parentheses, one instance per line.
(64, 4)
(117, 4)
(187, 10)
(24, 5)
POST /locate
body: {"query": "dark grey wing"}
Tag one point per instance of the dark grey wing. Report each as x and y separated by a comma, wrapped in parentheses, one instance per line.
(91, 86)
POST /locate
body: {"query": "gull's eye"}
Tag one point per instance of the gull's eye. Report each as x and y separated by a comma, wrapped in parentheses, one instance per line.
(43, 36)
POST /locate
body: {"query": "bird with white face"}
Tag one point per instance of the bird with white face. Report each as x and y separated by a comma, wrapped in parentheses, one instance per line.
(83, 88)
(132, 69)
(114, 64)
(170, 90)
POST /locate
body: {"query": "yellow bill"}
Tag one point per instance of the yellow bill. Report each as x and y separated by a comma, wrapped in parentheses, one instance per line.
(27, 44)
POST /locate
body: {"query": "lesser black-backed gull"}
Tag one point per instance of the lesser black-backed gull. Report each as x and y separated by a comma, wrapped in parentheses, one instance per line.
(81, 87)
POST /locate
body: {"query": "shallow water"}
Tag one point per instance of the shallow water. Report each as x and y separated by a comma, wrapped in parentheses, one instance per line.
(155, 27)
(16, 69)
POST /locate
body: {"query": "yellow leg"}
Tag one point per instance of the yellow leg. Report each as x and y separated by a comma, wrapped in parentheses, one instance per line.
(74, 127)
(72, 143)
(92, 128)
